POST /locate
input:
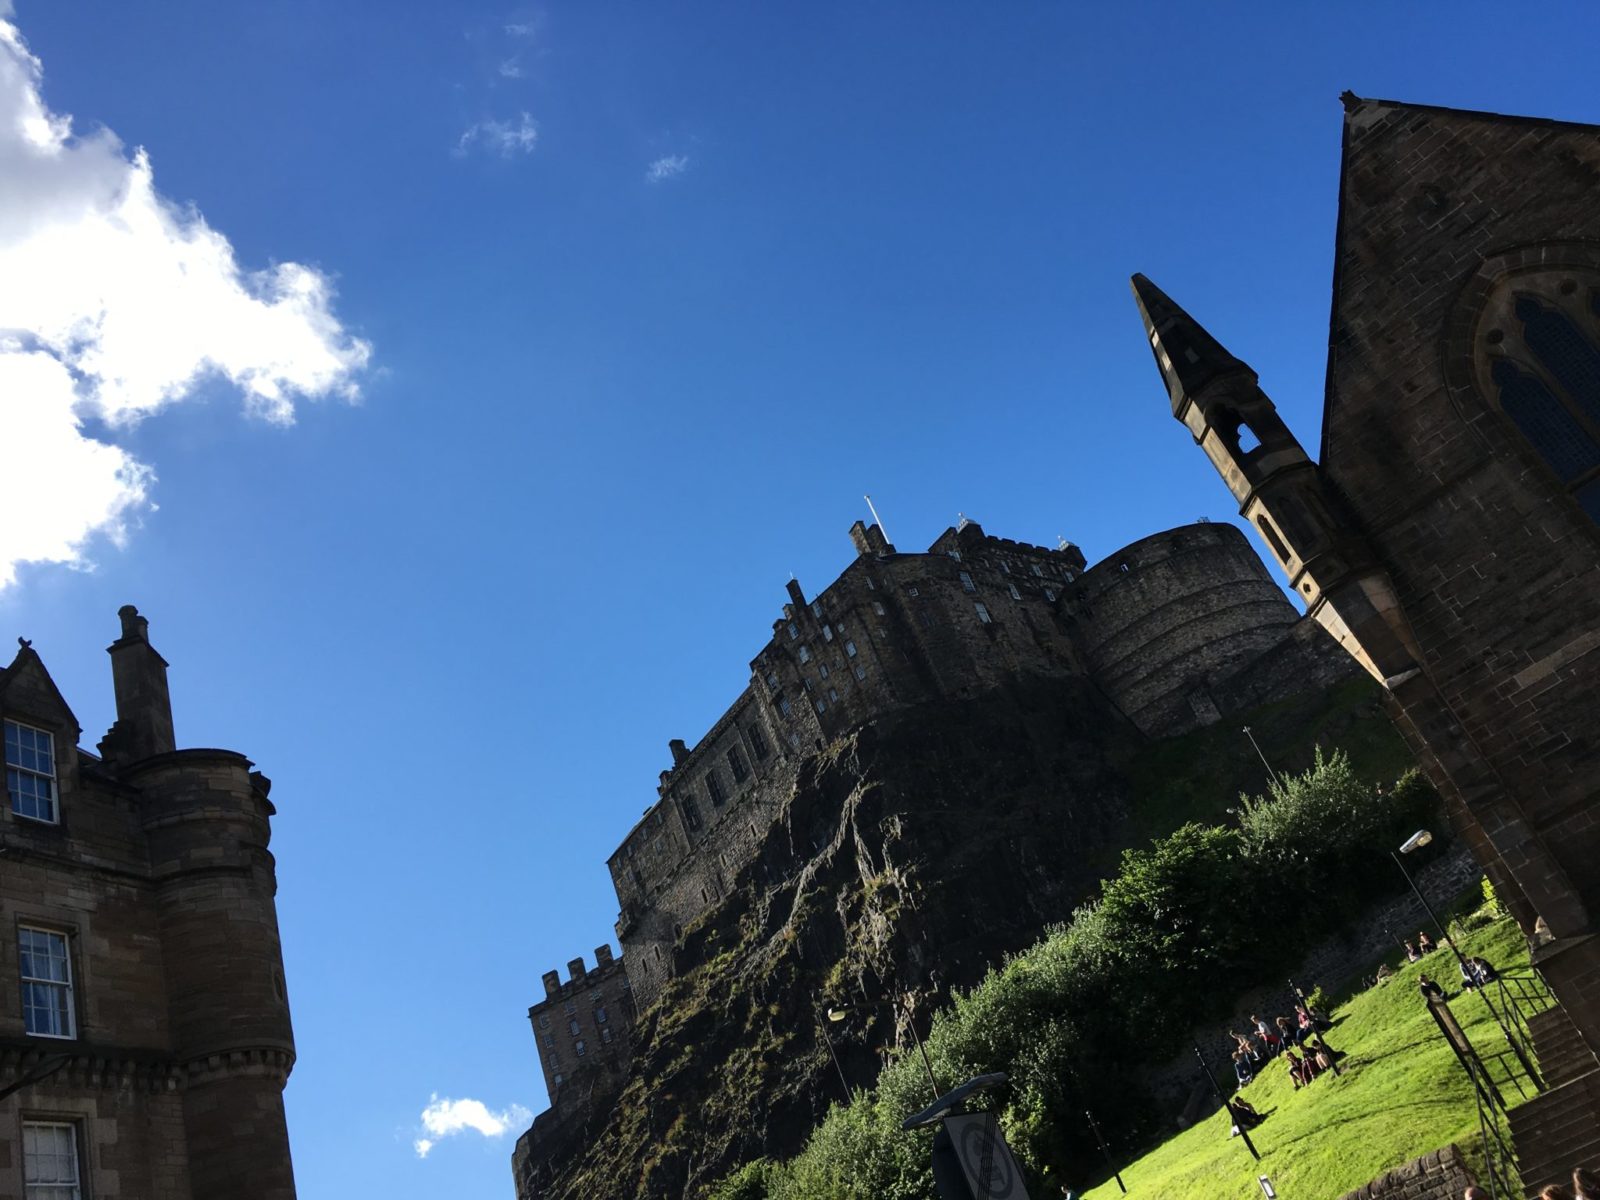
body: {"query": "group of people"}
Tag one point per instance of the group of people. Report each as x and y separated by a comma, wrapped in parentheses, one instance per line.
(1585, 1186)
(1283, 1036)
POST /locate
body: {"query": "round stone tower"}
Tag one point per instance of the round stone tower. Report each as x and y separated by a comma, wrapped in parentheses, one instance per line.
(206, 816)
(1163, 619)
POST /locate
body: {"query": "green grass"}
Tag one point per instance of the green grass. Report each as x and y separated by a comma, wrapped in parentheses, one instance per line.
(1402, 1094)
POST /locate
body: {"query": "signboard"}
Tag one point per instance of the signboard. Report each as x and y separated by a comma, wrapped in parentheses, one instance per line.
(986, 1162)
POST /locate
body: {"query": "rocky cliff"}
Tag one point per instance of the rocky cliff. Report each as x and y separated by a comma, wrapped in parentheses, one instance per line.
(909, 857)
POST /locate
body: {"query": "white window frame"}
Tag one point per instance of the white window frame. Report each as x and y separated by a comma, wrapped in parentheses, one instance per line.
(966, 583)
(52, 1188)
(65, 985)
(849, 649)
(982, 610)
(49, 777)
(805, 654)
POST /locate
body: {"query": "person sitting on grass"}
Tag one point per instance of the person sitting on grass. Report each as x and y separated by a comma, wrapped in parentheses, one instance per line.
(1484, 972)
(1585, 1185)
(1296, 1075)
(1285, 1031)
(1384, 973)
(1555, 1191)
(1269, 1040)
(1244, 1114)
(1411, 953)
(1425, 944)
(1241, 1067)
(1324, 1054)
(1430, 990)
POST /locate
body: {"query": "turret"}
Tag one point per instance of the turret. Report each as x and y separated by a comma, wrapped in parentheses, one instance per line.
(143, 727)
(1279, 489)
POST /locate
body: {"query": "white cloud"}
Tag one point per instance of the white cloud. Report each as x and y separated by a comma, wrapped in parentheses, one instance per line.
(666, 167)
(505, 138)
(446, 1118)
(511, 68)
(522, 29)
(114, 304)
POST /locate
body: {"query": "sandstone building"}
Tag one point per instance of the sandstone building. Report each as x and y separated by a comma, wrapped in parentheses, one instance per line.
(1447, 533)
(149, 1021)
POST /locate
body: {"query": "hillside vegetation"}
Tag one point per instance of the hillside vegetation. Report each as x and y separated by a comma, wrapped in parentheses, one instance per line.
(1401, 1095)
(1183, 927)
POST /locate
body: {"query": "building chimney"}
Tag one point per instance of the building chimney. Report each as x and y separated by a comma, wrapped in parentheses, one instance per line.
(576, 970)
(602, 956)
(143, 727)
(869, 539)
(679, 750)
(796, 594)
(552, 983)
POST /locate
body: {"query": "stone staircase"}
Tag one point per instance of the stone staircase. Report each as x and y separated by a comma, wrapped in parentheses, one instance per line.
(1560, 1127)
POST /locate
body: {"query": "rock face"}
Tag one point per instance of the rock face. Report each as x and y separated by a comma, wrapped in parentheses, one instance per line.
(907, 858)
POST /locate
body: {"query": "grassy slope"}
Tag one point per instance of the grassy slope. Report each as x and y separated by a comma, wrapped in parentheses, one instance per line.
(1402, 1094)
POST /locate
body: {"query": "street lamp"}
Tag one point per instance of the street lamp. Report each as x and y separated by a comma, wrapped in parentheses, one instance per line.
(1273, 774)
(844, 1086)
(1416, 841)
(838, 1014)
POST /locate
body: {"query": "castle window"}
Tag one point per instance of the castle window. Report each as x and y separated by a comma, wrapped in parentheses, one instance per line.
(758, 741)
(871, 587)
(1248, 440)
(805, 654)
(822, 706)
(47, 1008)
(573, 1028)
(983, 612)
(783, 706)
(877, 607)
(833, 695)
(911, 591)
(1123, 567)
(719, 794)
(772, 681)
(1015, 595)
(1005, 565)
(691, 811)
(1036, 570)
(822, 669)
(580, 1047)
(50, 1160)
(794, 743)
(816, 609)
(570, 1007)
(558, 1078)
(849, 649)
(793, 632)
(737, 765)
(605, 1035)
(827, 633)
(544, 1020)
(600, 1014)
(925, 618)
(1050, 595)
(861, 672)
(31, 772)
(966, 583)
(955, 554)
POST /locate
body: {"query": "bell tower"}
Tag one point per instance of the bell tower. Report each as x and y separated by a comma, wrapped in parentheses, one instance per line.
(1278, 488)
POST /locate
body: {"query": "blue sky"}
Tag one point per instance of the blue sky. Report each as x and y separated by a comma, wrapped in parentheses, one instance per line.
(638, 300)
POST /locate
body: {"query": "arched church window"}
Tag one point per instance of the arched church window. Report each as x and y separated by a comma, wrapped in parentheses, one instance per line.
(1538, 361)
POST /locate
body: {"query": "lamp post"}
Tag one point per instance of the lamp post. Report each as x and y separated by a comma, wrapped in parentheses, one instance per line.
(1233, 1120)
(1273, 774)
(839, 1014)
(844, 1086)
(1416, 841)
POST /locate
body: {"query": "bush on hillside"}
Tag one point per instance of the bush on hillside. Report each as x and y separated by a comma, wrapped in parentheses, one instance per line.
(1186, 925)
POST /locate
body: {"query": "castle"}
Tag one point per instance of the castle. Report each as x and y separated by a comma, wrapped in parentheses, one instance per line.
(1176, 630)
(148, 1049)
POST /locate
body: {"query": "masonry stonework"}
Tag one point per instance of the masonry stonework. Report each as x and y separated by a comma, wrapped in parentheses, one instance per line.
(163, 1051)
(1448, 536)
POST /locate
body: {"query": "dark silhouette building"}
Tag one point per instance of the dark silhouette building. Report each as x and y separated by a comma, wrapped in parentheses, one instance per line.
(1447, 534)
(141, 942)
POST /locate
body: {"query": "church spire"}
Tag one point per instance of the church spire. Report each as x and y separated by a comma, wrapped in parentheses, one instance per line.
(1189, 357)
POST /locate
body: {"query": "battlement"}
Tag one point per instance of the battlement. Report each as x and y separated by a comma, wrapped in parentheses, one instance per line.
(585, 1024)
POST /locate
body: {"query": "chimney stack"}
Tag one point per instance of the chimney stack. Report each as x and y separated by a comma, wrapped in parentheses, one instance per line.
(796, 594)
(552, 983)
(602, 956)
(679, 750)
(143, 727)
